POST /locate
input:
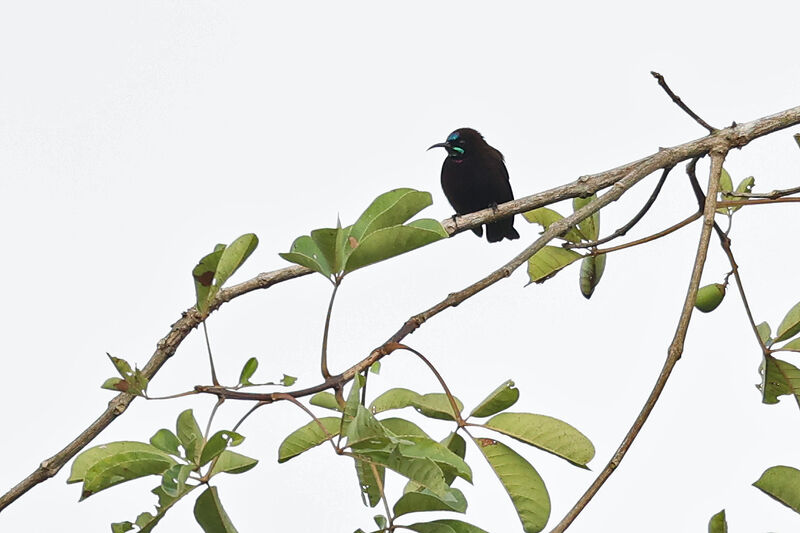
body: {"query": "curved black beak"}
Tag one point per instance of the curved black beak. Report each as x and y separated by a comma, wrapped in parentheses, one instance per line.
(440, 145)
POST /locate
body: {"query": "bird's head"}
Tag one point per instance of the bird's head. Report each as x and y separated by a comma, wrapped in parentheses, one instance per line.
(461, 143)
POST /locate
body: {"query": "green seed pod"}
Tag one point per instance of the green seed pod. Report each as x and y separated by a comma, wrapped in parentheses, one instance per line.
(709, 297)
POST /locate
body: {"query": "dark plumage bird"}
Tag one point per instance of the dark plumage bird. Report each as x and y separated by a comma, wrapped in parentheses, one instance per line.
(474, 177)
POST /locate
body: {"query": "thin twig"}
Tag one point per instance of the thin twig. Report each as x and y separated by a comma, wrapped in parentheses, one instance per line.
(450, 397)
(675, 348)
(211, 416)
(772, 195)
(725, 243)
(247, 414)
(677, 99)
(761, 201)
(383, 494)
(733, 137)
(635, 220)
(328, 436)
(663, 233)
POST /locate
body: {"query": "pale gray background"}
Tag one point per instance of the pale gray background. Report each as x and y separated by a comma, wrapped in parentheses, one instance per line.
(136, 135)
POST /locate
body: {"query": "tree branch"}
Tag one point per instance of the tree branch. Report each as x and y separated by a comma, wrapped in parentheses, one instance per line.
(732, 137)
(677, 99)
(635, 220)
(675, 348)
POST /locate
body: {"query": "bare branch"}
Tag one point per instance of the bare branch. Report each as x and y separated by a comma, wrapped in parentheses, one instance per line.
(621, 178)
(635, 220)
(675, 348)
(677, 99)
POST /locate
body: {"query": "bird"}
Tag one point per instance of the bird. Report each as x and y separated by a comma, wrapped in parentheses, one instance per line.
(474, 177)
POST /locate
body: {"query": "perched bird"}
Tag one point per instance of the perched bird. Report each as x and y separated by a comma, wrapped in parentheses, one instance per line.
(474, 177)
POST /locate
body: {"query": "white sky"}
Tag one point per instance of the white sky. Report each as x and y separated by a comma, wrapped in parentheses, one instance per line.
(134, 136)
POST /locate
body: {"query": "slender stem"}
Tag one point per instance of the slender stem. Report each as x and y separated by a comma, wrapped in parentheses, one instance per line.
(662, 233)
(324, 358)
(675, 349)
(248, 413)
(211, 417)
(383, 494)
(172, 396)
(328, 436)
(772, 194)
(677, 99)
(620, 178)
(758, 201)
(635, 220)
(210, 357)
(450, 397)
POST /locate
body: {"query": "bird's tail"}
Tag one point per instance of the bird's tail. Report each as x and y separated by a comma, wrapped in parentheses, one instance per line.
(502, 229)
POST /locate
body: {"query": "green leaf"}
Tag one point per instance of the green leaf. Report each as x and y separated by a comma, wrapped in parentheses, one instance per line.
(115, 384)
(778, 378)
(305, 252)
(210, 515)
(725, 182)
(248, 370)
(166, 441)
(717, 524)
(147, 521)
(790, 325)
(93, 455)
(500, 399)
(232, 463)
(590, 226)
(521, 481)
(764, 332)
(413, 502)
(328, 241)
(375, 368)
(430, 527)
(546, 433)
(783, 484)
(325, 399)
(388, 242)
(203, 275)
(133, 381)
(217, 444)
(424, 471)
(745, 186)
(725, 186)
(446, 526)
(121, 527)
(364, 427)
(390, 209)
(307, 437)
(423, 447)
(401, 427)
(396, 398)
(370, 487)
(792, 346)
(352, 404)
(548, 261)
(433, 405)
(173, 480)
(190, 435)
(797, 138)
(107, 465)
(234, 256)
(288, 381)
(545, 216)
(380, 520)
(592, 268)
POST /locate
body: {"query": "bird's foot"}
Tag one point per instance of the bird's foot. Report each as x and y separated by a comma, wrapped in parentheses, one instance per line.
(493, 205)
